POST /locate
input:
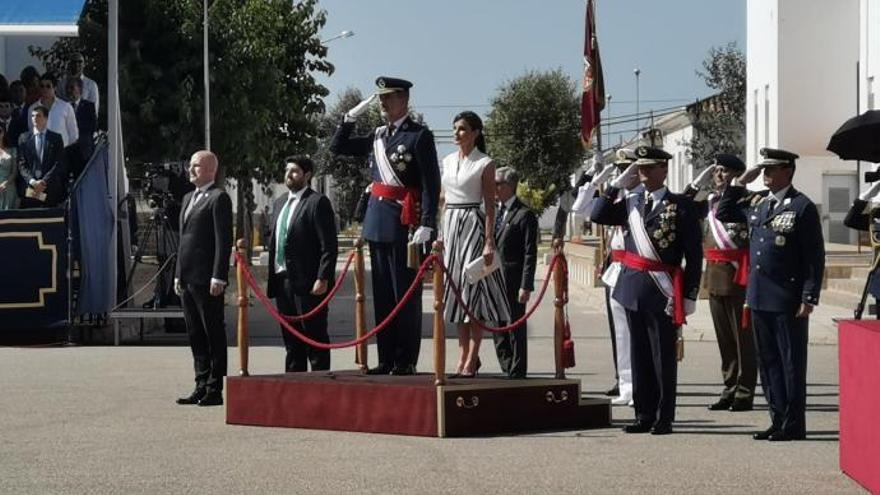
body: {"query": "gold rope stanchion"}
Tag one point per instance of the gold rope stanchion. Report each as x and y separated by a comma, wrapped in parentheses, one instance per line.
(360, 321)
(559, 314)
(439, 325)
(242, 309)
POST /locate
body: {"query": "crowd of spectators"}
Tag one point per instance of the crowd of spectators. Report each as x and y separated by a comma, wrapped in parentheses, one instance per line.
(47, 133)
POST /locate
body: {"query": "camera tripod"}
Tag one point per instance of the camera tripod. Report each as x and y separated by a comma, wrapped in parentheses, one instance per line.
(166, 240)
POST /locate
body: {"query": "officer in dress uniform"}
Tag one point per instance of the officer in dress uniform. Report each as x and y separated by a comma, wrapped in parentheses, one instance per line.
(864, 215)
(617, 324)
(661, 230)
(787, 263)
(402, 209)
(726, 248)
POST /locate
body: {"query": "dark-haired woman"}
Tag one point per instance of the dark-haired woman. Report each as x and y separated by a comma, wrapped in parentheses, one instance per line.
(468, 233)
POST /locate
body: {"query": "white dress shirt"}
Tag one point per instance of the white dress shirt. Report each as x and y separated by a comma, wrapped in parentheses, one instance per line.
(292, 200)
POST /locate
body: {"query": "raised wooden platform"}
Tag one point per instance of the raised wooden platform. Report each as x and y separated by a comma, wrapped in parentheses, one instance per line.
(412, 405)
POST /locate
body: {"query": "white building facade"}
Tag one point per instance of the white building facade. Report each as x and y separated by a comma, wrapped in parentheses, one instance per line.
(803, 75)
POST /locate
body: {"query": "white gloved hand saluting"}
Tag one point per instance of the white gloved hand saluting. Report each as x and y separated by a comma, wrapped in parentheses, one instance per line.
(630, 175)
(359, 109)
(749, 175)
(603, 176)
(705, 178)
(421, 235)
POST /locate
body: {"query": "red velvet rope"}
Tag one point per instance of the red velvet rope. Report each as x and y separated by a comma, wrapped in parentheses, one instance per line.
(330, 295)
(280, 318)
(511, 327)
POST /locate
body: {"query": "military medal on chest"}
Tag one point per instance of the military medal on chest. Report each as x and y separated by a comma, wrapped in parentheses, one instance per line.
(400, 158)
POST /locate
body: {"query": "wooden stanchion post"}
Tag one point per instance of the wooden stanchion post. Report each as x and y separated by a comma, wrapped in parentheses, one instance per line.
(559, 314)
(360, 322)
(240, 267)
(439, 325)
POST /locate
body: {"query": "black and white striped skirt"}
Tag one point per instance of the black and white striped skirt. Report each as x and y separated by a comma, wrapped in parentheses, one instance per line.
(463, 240)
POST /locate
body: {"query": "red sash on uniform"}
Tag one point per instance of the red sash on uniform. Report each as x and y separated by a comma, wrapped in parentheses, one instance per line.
(643, 264)
(409, 214)
(740, 256)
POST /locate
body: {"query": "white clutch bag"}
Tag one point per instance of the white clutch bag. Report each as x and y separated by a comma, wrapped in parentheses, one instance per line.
(477, 270)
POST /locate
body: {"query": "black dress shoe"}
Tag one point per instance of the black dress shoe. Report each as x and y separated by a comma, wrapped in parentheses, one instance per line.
(721, 405)
(212, 399)
(661, 429)
(764, 435)
(782, 436)
(193, 397)
(613, 391)
(409, 369)
(741, 405)
(637, 427)
(382, 369)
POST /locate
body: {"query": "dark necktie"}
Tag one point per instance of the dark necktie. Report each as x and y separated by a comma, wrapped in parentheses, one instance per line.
(649, 204)
(390, 132)
(771, 205)
(499, 218)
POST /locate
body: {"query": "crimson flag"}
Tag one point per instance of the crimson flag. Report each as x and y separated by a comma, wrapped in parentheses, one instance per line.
(593, 98)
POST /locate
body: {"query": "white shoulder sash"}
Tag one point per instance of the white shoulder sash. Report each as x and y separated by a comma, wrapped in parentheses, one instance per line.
(386, 171)
(644, 245)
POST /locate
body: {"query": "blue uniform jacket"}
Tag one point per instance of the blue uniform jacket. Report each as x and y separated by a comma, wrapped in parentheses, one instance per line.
(382, 218)
(786, 247)
(674, 230)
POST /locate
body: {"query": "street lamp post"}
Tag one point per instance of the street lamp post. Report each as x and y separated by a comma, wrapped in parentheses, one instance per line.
(638, 72)
(343, 34)
(207, 75)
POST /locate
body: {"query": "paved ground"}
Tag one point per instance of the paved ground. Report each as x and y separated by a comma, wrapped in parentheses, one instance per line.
(103, 420)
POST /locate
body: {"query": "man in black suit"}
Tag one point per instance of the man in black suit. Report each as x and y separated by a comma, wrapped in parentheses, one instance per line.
(201, 276)
(302, 262)
(516, 235)
(86, 123)
(42, 166)
(402, 211)
(661, 230)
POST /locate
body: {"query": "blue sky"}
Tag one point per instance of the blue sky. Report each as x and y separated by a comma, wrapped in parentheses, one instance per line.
(458, 52)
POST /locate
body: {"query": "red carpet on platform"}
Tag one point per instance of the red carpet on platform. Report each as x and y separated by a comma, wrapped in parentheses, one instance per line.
(859, 348)
(411, 405)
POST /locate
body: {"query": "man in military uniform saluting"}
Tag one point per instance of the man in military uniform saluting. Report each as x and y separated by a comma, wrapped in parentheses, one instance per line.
(661, 230)
(402, 209)
(787, 262)
(726, 249)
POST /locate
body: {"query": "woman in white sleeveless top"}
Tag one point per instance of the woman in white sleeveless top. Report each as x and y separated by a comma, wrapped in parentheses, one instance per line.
(468, 233)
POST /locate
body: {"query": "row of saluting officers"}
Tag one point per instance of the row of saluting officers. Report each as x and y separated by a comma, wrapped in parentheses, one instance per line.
(764, 256)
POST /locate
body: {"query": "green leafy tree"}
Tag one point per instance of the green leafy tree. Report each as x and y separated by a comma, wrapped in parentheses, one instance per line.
(719, 121)
(264, 55)
(534, 127)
